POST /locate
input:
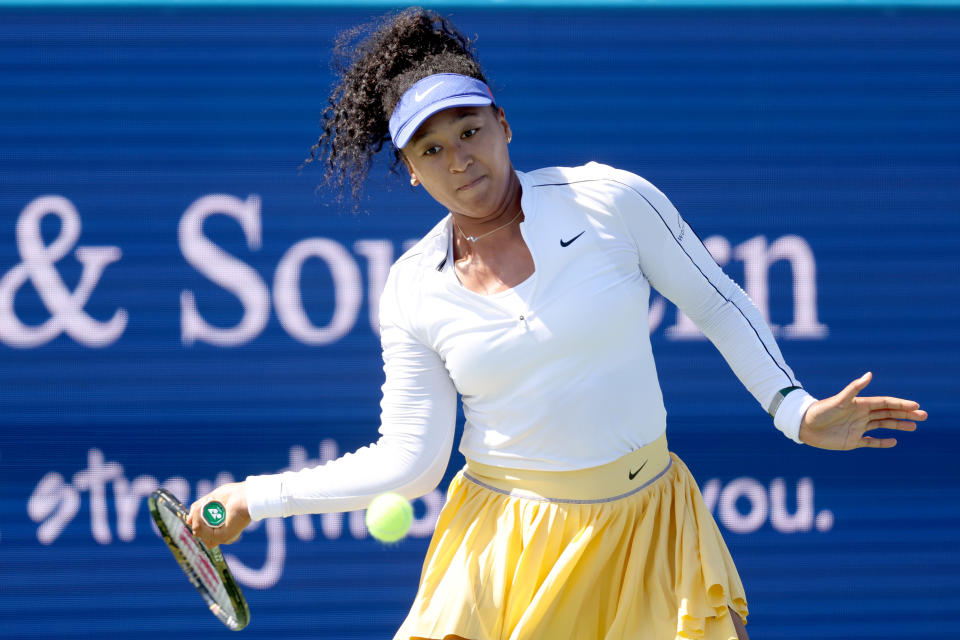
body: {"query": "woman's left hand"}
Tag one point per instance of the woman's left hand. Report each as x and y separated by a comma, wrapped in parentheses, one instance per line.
(839, 422)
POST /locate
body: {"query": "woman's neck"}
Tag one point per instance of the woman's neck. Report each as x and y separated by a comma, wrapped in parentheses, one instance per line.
(474, 235)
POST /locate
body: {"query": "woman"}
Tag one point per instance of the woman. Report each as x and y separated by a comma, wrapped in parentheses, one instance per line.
(571, 519)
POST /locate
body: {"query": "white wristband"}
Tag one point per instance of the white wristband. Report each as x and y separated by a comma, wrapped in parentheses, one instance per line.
(790, 413)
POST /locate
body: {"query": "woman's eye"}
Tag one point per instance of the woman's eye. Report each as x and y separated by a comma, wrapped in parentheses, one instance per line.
(469, 132)
(429, 151)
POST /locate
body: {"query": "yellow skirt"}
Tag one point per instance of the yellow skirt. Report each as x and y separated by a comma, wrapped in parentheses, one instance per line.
(624, 551)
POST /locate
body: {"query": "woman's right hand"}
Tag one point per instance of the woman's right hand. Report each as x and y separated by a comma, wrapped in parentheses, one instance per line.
(233, 496)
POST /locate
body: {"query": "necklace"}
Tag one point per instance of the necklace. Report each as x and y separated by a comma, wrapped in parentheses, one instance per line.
(484, 235)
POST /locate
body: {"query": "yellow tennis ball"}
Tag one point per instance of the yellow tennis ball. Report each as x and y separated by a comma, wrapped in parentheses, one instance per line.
(389, 517)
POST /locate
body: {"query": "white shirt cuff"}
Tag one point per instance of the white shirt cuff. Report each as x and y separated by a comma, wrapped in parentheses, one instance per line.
(790, 413)
(264, 496)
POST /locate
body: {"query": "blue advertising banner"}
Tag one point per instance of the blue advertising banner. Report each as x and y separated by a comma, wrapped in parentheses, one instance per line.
(180, 307)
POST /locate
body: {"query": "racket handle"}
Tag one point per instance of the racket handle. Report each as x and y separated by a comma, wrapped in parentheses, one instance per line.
(214, 514)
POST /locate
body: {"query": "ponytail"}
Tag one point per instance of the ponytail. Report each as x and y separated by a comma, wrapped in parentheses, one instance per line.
(375, 64)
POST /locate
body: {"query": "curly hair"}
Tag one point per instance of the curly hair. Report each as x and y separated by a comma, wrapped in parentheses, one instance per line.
(375, 64)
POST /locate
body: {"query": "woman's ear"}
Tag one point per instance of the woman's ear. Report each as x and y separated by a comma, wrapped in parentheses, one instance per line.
(414, 180)
(502, 119)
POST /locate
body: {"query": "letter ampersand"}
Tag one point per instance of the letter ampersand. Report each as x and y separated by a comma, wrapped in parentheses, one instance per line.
(66, 307)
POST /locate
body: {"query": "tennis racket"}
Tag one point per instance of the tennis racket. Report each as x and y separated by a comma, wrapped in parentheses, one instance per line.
(205, 567)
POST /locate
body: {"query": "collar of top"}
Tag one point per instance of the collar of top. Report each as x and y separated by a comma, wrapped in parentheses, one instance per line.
(431, 95)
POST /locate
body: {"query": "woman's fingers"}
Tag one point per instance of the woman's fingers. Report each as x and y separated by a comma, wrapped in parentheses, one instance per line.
(193, 518)
(878, 443)
(200, 528)
(205, 538)
(854, 388)
(898, 414)
(232, 496)
(213, 537)
(197, 525)
(899, 425)
(893, 413)
(885, 402)
(840, 421)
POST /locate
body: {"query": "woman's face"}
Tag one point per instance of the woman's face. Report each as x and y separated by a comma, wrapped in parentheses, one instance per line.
(460, 157)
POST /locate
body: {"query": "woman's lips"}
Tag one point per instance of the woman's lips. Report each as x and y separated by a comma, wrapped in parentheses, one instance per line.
(471, 185)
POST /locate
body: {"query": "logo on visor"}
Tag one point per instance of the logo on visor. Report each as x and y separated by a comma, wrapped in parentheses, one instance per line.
(420, 96)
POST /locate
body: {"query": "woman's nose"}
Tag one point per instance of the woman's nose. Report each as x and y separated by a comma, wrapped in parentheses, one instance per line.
(460, 159)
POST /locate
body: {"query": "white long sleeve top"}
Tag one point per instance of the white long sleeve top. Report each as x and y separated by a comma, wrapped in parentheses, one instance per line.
(556, 373)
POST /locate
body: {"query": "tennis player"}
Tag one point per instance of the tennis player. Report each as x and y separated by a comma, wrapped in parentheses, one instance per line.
(571, 519)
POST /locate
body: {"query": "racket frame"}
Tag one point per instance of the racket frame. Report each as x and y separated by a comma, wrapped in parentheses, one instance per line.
(163, 499)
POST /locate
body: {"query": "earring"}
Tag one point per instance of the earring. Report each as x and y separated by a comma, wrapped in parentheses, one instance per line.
(509, 138)
(413, 181)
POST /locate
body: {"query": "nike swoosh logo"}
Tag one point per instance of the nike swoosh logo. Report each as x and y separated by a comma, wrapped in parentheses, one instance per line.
(570, 241)
(633, 474)
(420, 96)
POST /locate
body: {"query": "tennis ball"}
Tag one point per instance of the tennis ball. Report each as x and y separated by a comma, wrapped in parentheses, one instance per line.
(389, 517)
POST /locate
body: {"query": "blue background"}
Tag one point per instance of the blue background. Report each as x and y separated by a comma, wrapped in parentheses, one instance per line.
(837, 126)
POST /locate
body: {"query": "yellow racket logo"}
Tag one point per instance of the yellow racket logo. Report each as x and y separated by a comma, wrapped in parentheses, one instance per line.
(214, 514)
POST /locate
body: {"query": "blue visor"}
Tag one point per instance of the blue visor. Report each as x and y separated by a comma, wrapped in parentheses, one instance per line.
(431, 95)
